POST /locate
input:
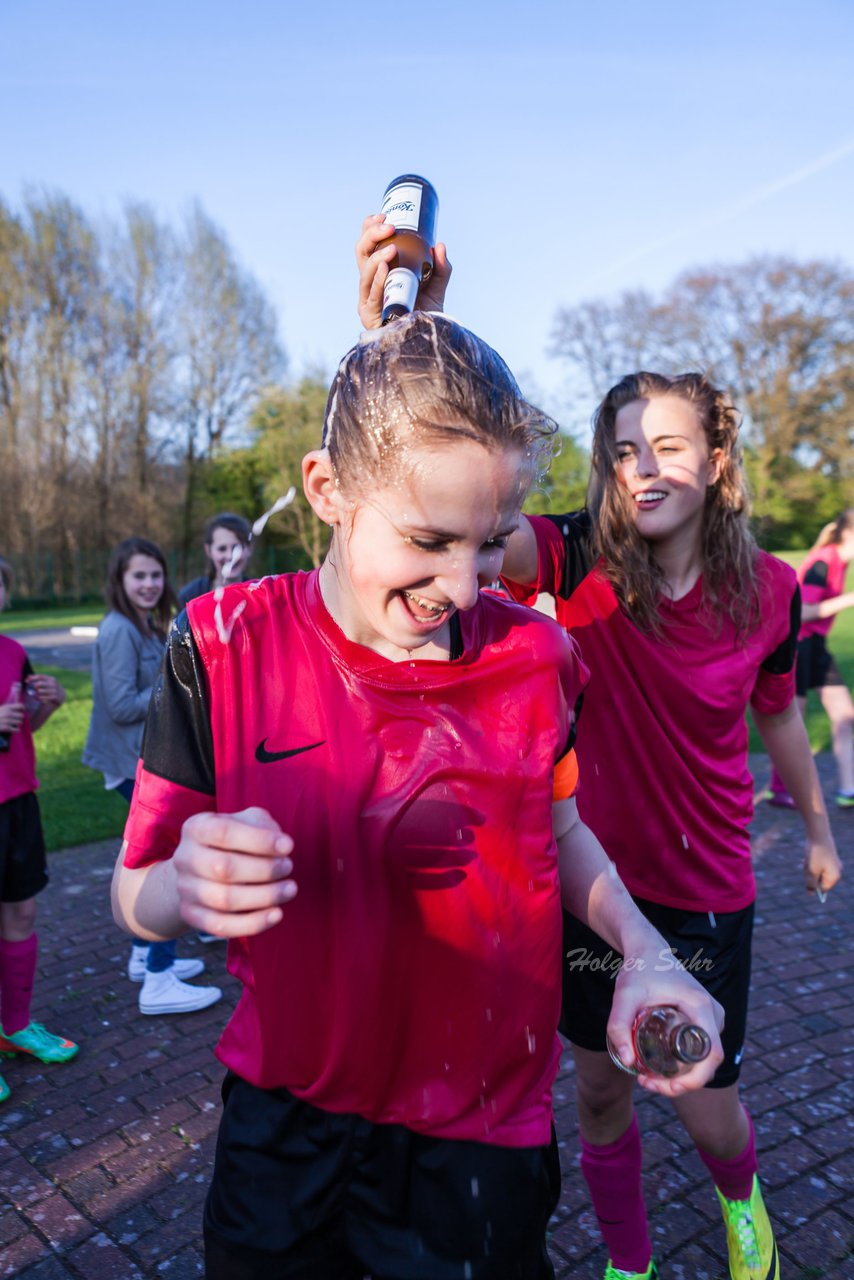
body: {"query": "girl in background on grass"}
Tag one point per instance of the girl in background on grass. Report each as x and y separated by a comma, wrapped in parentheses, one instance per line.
(228, 546)
(683, 623)
(822, 579)
(387, 1108)
(27, 700)
(127, 657)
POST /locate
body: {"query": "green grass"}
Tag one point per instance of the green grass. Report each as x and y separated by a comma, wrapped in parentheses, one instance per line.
(75, 807)
(81, 615)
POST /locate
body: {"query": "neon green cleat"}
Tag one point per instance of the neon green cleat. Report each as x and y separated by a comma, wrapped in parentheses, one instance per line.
(614, 1273)
(844, 800)
(38, 1041)
(750, 1238)
(4, 1090)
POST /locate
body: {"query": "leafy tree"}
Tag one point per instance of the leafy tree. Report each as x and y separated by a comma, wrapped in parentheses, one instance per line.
(778, 334)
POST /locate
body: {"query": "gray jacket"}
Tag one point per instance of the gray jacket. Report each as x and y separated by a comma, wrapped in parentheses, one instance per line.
(124, 667)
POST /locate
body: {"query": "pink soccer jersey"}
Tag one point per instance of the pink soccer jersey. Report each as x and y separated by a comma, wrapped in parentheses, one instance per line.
(18, 764)
(662, 747)
(415, 977)
(822, 577)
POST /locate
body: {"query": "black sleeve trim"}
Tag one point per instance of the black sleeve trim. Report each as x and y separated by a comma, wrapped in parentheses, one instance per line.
(817, 574)
(455, 632)
(573, 729)
(577, 531)
(782, 659)
(178, 742)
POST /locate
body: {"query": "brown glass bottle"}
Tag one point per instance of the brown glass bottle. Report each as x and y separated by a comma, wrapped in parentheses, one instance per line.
(411, 205)
(664, 1043)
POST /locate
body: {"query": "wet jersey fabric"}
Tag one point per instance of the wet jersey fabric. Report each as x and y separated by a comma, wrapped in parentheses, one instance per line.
(662, 747)
(822, 577)
(18, 764)
(415, 977)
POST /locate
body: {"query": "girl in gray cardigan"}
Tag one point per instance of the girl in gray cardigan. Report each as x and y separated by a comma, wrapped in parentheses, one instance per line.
(127, 656)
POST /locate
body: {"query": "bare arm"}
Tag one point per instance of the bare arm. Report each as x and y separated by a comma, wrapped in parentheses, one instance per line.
(827, 608)
(51, 696)
(230, 875)
(521, 559)
(785, 739)
(592, 890)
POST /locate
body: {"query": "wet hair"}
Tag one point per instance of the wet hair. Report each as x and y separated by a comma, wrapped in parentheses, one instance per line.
(425, 378)
(7, 573)
(832, 533)
(116, 596)
(730, 587)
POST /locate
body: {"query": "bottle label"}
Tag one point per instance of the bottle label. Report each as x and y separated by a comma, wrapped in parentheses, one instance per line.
(402, 206)
(401, 288)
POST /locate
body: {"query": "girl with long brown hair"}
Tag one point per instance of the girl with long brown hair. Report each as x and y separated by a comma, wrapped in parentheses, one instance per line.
(683, 622)
(126, 660)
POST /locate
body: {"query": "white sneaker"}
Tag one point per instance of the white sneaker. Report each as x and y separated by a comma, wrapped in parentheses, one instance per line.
(166, 993)
(182, 968)
(137, 962)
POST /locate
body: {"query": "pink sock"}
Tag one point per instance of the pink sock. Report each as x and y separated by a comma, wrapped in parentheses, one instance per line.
(613, 1174)
(734, 1178)
(17, 971)
(777, 784)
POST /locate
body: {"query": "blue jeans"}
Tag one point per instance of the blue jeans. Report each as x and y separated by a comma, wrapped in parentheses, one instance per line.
(161, 955)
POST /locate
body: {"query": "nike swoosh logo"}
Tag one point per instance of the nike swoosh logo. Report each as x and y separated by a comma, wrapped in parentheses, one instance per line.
(263, 756)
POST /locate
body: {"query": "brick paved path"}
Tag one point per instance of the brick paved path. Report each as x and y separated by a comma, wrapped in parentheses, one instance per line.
(104, 1161)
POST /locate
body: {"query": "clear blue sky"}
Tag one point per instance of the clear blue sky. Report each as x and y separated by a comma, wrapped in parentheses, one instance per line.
(577, 149)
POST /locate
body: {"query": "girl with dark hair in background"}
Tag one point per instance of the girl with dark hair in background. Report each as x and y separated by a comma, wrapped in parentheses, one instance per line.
(228, 546)
(127, 657)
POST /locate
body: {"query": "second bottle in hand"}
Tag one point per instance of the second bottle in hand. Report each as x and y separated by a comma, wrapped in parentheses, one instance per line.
(664, 1043)
(411, 205)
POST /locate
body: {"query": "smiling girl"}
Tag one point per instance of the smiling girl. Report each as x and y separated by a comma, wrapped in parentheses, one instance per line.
(684, 624)
(125, 662)
(388, 1097)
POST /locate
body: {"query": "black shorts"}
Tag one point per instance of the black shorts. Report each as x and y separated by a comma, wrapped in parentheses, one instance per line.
(714, 947)
(23, 863)
(816, 666)
(302, 1193)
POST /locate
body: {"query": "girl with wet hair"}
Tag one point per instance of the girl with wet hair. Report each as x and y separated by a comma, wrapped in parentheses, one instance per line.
(822, 578)
(318, 785)
(683, 623)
